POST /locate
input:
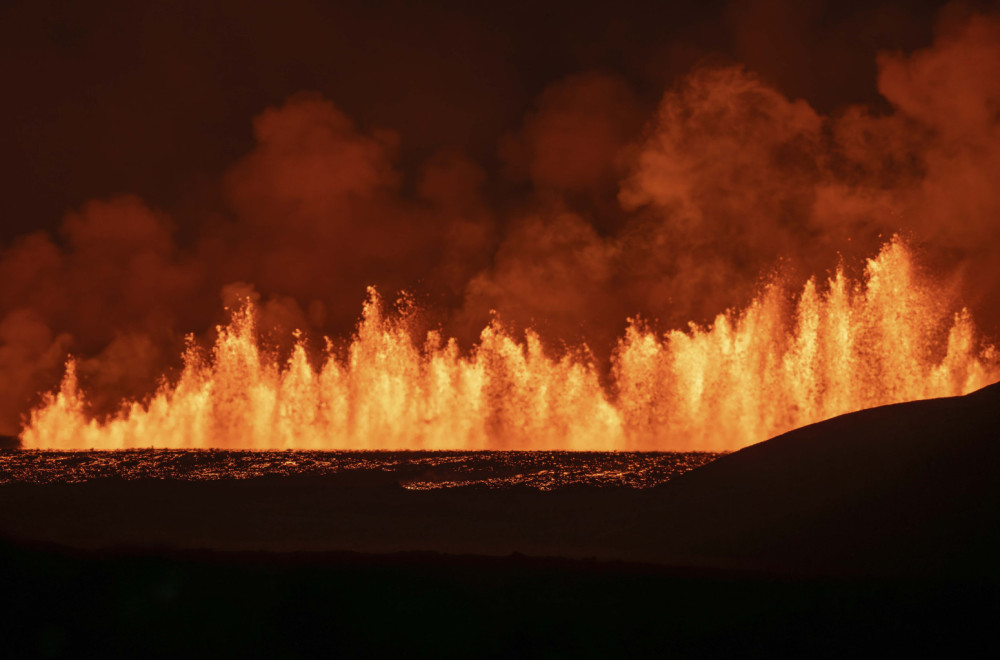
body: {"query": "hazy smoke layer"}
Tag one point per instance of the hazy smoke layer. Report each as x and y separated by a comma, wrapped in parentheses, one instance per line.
(600, 208)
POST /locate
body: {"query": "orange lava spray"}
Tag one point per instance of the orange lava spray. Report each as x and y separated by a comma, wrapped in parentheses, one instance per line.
(780, 363)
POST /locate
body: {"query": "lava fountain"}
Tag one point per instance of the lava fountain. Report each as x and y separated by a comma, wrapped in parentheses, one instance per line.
(780, 363)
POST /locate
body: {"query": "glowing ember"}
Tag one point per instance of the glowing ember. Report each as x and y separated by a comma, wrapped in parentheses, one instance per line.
(750, 375)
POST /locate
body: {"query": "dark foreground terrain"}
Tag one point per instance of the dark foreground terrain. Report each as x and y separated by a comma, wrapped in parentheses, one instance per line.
(252, 605)
(877, 529)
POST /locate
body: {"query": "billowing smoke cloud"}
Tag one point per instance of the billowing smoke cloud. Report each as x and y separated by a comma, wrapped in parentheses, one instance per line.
(731, 178)
(326, 200)
(573, 141)
(601, 209)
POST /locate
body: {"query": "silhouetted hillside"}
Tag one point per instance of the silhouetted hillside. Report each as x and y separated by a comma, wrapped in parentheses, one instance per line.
(912, 488)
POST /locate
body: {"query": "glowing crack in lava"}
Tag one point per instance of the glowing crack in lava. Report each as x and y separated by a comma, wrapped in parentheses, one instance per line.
(778, 364)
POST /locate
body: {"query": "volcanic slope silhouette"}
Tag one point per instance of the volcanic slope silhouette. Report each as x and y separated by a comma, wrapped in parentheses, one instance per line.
(904, 489)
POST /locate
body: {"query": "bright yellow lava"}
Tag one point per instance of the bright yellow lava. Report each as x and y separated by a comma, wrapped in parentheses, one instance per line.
(750, 375)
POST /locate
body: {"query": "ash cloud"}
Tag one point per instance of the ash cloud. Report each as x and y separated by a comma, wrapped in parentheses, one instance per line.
(597, 192)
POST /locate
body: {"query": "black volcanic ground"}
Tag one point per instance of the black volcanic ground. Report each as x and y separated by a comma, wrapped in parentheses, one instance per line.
(883, 520)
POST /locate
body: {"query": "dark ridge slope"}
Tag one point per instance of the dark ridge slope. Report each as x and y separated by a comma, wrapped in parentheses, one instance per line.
(900, 489)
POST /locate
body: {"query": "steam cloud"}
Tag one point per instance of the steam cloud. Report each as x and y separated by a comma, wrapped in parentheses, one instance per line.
(671, 213)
